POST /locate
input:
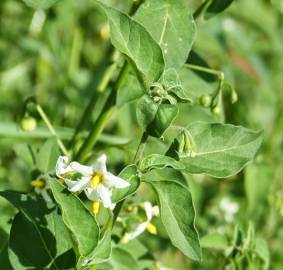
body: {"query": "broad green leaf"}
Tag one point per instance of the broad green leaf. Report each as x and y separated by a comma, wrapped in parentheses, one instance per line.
(129, 91)
(40, 223)
(156, 161)
(77, 218)
(214, 240)
(221, 150)
(103, 250)
(123, 260)
(278, 4)
(172, 26)
(47, 156)
(155, 118)
(146, 111)
(164, 117)
(133, 40)
(258, 183)
(40, 4)
(173, 199)
(129, 174)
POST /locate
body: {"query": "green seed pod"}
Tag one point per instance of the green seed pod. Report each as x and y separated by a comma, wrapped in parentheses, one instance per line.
(205, 101)
(28, 123)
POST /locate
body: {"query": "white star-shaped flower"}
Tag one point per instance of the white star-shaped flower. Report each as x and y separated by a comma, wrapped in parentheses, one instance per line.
(95, 180)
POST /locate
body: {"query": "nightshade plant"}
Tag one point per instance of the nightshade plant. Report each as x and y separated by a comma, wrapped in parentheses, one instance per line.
(80, 215)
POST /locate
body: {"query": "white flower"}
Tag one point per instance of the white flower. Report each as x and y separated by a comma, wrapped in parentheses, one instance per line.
(229, 208)
(95, 181)
(150, 211)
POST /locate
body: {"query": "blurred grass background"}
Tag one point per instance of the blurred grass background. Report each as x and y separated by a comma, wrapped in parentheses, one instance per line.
(58, 55)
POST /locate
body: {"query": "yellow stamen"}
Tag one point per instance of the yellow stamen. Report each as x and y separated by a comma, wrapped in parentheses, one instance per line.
(95, 207)
(39, 183)
(96, 180)
(151, 228)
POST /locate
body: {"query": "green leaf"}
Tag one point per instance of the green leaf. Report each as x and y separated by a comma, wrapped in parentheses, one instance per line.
(40, 223)
(173, 199)
(146, 111)
(171, 81)
(77, 218)
(48, 155)
(103, 250)
(172, 26)
(129, 174)
(136, 248)
(278, 4)
(133, 40)
(155, 118)
(220, 150)
(4, 258)
(24, 152)
(216, 7)
(129, 91)
(261, 248)
(214, 240)
(123, 260)
(40, 4)
(156, 161)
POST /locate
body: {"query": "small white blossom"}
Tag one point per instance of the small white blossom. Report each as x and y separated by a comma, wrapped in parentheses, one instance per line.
(95, 180)
(229, 208)
(150, 212)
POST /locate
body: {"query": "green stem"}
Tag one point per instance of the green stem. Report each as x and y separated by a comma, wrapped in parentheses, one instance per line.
(141, 147)
(137, 158)
(51, 129)
(103, 117)
(100, 86)
(215, 72)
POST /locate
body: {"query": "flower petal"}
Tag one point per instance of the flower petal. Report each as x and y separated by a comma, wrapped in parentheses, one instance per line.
(105, 195)
(91, 194)
(82, 169)
(111, 180)
(62, 166)
(139, 230)
(70, 183)
(100, 164)
(81, 184)
(148, 210)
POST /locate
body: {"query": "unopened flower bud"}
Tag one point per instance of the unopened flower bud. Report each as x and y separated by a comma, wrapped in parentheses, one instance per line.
(205, 101)
(28, 123)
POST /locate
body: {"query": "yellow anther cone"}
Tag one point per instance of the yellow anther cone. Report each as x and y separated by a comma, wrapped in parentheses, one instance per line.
(151, 228)
(95, 207)
(39, 183)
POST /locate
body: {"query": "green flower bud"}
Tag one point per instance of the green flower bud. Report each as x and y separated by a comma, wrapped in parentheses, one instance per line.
(234, 97)
(28, 123)
(216, 110)
(205, 101)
